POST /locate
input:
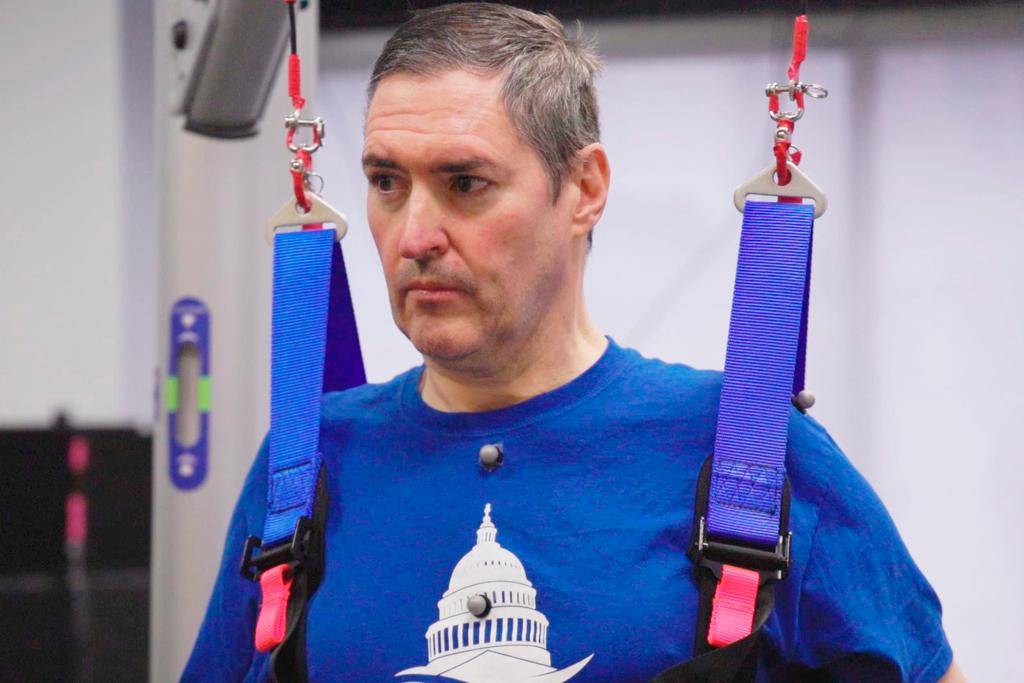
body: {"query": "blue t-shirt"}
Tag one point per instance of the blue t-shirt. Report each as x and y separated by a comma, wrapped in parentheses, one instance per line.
(578, 540)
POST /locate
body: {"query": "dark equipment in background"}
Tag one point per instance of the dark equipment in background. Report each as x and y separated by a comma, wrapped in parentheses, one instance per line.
(74, 580)
(228, 53)
(339, 16)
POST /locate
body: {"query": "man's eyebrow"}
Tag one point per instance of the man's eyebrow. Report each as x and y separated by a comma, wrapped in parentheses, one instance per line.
(372, 160)
(467, 165)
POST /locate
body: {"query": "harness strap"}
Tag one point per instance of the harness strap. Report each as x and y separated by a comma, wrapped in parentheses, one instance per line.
(734, 663)
(314, 348)
(732, 610)
(288, 662)
(768, 313)
(302, 272)
(741, 534)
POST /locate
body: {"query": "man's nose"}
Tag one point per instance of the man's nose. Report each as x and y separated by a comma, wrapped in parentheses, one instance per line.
(423, 236)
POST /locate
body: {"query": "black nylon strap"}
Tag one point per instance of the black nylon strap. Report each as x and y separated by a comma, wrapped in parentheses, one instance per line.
(288, 661)
(707, 582)
(736, 663)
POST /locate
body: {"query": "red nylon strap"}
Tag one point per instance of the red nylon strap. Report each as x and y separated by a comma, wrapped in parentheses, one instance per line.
(800, 27)
(800, 30)
(295, 81)
(298, 184)
(300, 194)
(273, 619)
(781, 150)
(732, 609)
(295, 92)
(298, 102)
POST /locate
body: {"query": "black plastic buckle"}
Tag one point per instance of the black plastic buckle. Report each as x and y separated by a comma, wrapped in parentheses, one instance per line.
(294, 552)
(772, 565)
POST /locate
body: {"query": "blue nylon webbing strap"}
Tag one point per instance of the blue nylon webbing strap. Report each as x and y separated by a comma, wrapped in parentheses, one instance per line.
(343, 365)
(801, 350)
(763, 364)
(311, 296)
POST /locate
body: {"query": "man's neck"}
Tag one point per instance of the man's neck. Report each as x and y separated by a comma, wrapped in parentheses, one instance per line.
(533, 370)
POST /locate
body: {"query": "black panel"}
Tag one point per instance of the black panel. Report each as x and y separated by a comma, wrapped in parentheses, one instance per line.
(118, 642)
(76, 616)
(118, 486)
(336, 16)
(35, 484)
(37, 644)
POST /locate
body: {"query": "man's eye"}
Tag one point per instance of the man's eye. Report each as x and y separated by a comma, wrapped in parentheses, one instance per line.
(383, 182)
(468, 184)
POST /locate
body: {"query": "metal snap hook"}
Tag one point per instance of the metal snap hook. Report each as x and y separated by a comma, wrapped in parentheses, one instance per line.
(319, 131)
(314, 182)
(818, 92)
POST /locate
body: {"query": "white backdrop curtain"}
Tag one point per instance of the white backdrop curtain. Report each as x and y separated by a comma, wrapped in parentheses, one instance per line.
(916, 326)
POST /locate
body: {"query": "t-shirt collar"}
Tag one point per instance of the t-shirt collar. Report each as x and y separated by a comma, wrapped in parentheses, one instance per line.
(591, 381)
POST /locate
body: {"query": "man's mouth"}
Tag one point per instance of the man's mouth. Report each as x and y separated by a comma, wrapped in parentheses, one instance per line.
(431, 291)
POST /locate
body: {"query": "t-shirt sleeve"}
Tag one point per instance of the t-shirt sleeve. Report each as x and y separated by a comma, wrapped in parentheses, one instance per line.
(866, 611)
(224, 649)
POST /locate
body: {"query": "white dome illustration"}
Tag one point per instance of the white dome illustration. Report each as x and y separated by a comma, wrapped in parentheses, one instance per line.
(507, 642)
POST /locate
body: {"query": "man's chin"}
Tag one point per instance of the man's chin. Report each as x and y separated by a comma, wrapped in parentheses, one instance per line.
(444, 346)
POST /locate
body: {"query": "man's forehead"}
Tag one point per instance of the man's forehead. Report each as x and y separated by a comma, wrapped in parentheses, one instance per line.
(454, 101)
(451, 117)
(457, 85)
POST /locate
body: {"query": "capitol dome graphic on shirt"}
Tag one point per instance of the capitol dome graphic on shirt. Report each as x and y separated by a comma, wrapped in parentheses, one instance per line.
(508, 643)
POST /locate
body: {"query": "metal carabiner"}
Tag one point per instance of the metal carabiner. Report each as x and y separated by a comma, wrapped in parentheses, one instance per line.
(294, 122)
(796, 91)
(313, 182)
(793, 89)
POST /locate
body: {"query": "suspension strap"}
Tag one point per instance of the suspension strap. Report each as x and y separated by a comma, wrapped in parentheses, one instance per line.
(743, 537)
(765, 336)
(787, 121)
(783, 147)
(314, 348)
(302, 268)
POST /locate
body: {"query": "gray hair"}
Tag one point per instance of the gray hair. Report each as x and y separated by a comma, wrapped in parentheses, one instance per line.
(548, 87)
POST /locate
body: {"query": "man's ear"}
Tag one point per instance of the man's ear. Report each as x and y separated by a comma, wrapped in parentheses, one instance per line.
(594, 176)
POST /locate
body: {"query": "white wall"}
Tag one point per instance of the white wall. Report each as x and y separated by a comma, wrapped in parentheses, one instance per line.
(915, 328)
(77, 232)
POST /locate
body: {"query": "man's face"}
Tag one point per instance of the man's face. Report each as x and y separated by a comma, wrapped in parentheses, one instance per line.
(475, 252)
